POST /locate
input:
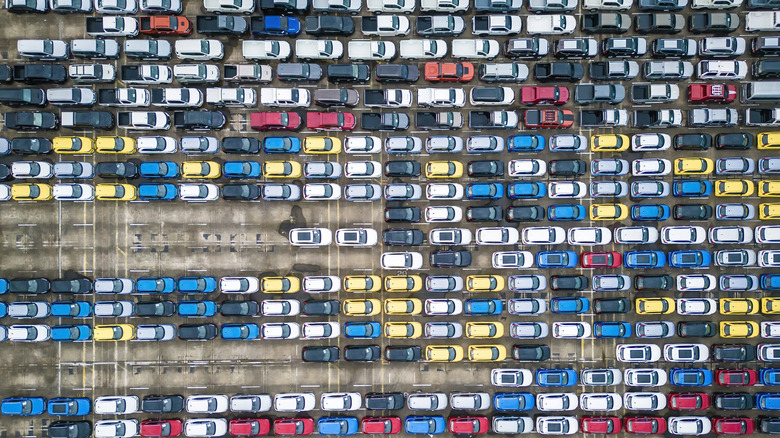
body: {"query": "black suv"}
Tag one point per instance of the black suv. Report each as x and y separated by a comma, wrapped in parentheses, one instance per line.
(338, 73)
(407, 73)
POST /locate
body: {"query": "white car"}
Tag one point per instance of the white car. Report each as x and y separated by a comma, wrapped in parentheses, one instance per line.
(265, 50)
(161, 6)
(512, 424)
(310, 237)
(450, 6)
(571, 330)
(199, 49)
(155, 332)
(696, 306)
(443, 144)
(321, 169)
(441, 97)
(44, 50)
(442, 330)
(366, 50)
(116, 404)
(413, 49)
(198, 192)
(568, 143)
(511, 377)
(363, 192)
(601, 401)
(696, 282)
(601, 377)
(651, 167)
(419, 401)
(402, 192)
(29, 309)
(356, 237)
(767, 234)
(391, 6)
(497, 236)
(362, 145)
(319, 49)
(32, 169)
(691, 425)
(529, 330)
(471, 401)
(589, 236)
(206, 404)
(448, 191)
(686, 353)
(449, 236)
(239, 285)
(74, 192)
(403, 144)
(650, 142)
(768, 258)
(280, 307)
(512, 259)
(527, 283)
(495, 24)
(177, 97)
(197, 73)
(280, 330)
(526, 306)
(388, 26)
(29, 333)
(543, 236)
(205, 427)
(636, 235)
(250, 403)
(116, 428)
(475, 49)
(645, 377)
(770, 329)
(478, 144)
(443, 214)
(765, 352)
(683, 235)
(527, 167)
(321, 192)
(115, 27)
(556, 402)
(567, 189)
(242, 97)
(113, 309)
(321, 284)
(363, 169)
(401, 260)
(320, 330)
(566, 425)
(607, 5)
(715, 4)
(156, 145)
(340, 401)
(638, 353)
(285, 97)
(611, 282)
(644, 401)
(552, 24)
(443, 306)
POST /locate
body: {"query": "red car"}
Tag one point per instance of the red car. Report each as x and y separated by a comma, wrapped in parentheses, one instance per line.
(689, 401)
(249, 426)
(645, 425)
(468, 425)
(721, 93)
(275, 121)
(161, 428)
(293, 426)
(554, 95)
(736, 377)
(381, 425)
(548, 118)
(734, 426)
(165, 25)
(449, 71)
(609, 425)
(611, 259)
(337, 121)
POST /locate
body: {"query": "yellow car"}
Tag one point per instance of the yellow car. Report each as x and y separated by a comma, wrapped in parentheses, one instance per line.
(113, 332)
(738, 306)
(443, 169)
(73, 145)
(484, 283)
(770, 306)
(654, 306)
(280, 285)
(487, 353)
(738, 329)
(734, 187)
(768, 211)
(609, 143)
(608, 212)
(768, 140)
(282, 169)
(321, 145)
(768, 189)
(115, 145)
(484, 330)
(693, 166)
(201, 169)
(368, 307)
(31, 192)
(444, 353)
(403, 283)
(403, 330)
(116, 192)
(362, 283)
(403, 306)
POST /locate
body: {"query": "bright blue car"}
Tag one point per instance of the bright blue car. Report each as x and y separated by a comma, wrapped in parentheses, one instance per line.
(688, 188)
(525, 143)
(556, 377)
(644, 259)
(650, 212)
(197, 309)
(23, 406)
(155, 285)
(241, 169)
(526, 190)
(690, 377)
(70, 406)
(158, 169)
(690, 258)
(197, 285)
(71, 309)
(770, 376)
(566, 212)
(424, 425)
(71, 333)
(513, 401)
(483, 306)
(611, 329)
(556, 259)
(770, 281)
(768, 401)
(4, 284)
(240, 332)
(281, 145)
(362, 329)
(3, 310)
(337, 426)
(158, 192)
(277, 25)
(485, 190)
(569, 305)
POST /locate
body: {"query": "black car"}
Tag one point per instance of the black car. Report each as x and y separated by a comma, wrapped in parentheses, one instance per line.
(402, 168)
(384, 121)
(162, 404)
(696, 329)
(320, 354)
(87, 119)
(362, 353)
(568, 282)
(240, 145)
(525, 213)
(770, 425)
(5, 172)
(320, 307)
(298, 72)
(402, 214)
(6, 74)
(567, 167)
(15, 97)
(485, 168)
(492, 213)
(75, 286)
(338, 73)
(406, 73)
(660, 5)
(31, 146)
(530, 353)
(449, 259)
(662, 23)
(623, 47)
(692, 212)
(40, 73)
(197, 332)
(734, 401)
(239, 308)
(70, 429)
(385, 401)
(329, 25)
(611, 305)
(558, 71)
(699, 142)
(733, 352)
(733, 141)
(240, 192)
(407, 353)
(199, 120)
(403, 237)
(602, 23)
(155, 308)
(654, 282)
(29, 286)
(116, 169)
(222, 25)
(713, 22)
(31, 120)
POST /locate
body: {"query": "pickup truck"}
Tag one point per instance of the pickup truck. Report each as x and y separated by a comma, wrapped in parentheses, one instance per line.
(231, 97)
(496, 25)
(423, 49)
(275, 121)
(265, 50)
(552, 95)
(762, 117)
(384, 121)
(662, 118)
(112, 26)
(275, 25)
(144, 120)
(552, 24)
(87, 119)
(558, 71)
(177, 97)
(319, 49)
(245, 7)
(221, 25)
(442, 120)
(251, 73)
(586, 94)
(604, 118)
(613, 70)
(39, 73)
(91, 73)
(756, 21)
(366, 50)
(654, 93)
(165, 25)
(552, 118)
(385, 25)
(498, 5)
(330, 121)
(390, 98)
(123, 97)
(146, 74)
(475, 48)
(449, 6)
(712, 93)
(295, 6)
(493, 119)
(441, 97)
(284, 97)
(198, 120)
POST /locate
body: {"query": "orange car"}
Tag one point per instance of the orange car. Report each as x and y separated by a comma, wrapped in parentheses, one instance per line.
(449, 71)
